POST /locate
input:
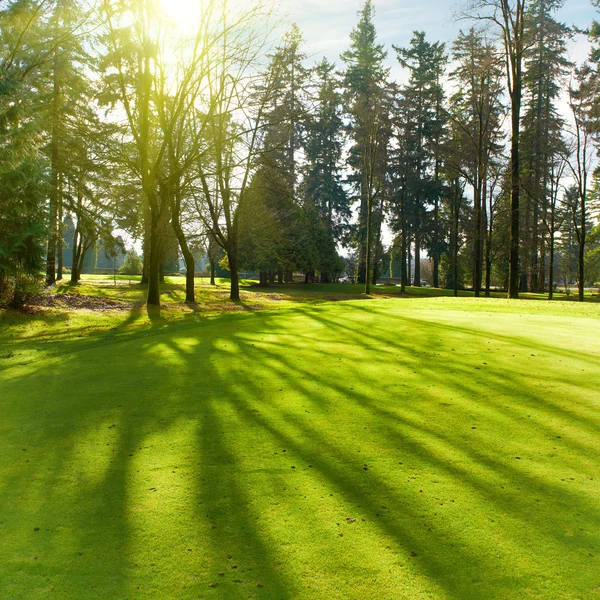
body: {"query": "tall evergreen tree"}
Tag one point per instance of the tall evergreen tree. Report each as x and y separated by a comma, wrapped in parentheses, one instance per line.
(546, 63)
(367, 104)
(323, 186)
(422, 99)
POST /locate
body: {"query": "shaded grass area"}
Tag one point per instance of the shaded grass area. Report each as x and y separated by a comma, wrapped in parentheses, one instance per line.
(128, 288)
(390, 448)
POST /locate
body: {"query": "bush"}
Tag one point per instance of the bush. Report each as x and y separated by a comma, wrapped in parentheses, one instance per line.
(15, 291)
(132, 265)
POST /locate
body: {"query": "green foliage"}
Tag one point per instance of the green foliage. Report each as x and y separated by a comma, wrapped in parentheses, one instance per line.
(22, 189)
(132, 265)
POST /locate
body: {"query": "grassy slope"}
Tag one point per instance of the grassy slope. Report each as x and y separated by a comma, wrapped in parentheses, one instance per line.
(461, 436)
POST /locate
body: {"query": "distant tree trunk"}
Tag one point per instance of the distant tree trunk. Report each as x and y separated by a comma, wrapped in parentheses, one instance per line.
(363, 231)
(403, 260)
(146, 243)
(404, 274)
(477, 242)
(417, 279)
(213, 270)
(155, 260)
(488, 252)
(263, 279)
(59, 237)
(455, 224)
(409, 249)
(280, 276)
(436, 252)
(513, 277)
(75, 256)
(235, 282)
(551, 265)
(54, 167)
(581, 261)
(376, 257)
(175, 199)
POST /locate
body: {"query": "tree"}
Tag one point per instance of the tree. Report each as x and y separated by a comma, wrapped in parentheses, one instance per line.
(422, 100)
(580, 161)
(26, 48)
(232, 122)
(135, 64)
(546, 67)
(366, 97)
(509, 17)
(65, 96)
(476, 109)
(323, 186)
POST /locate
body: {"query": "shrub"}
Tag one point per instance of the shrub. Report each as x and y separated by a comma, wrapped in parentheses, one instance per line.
(132, 265)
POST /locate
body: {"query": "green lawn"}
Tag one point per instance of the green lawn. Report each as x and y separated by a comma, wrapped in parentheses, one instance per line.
(393, 448)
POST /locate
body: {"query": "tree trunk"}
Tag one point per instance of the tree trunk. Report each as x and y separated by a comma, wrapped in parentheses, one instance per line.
(362, 233)
(403, 259)
(213, 269)
(488, 253)
(513, 260)
(417, 279)
(262, 278)
(409, 252)
(581, 263)
(54, 193)
(456, 222)
(368, 246)
(234, 294)
(376, 258)
(477, 264)
(59, 237)
(188, 256)
(551, 262)
(280, 276)
(154, 266)
(75, 256)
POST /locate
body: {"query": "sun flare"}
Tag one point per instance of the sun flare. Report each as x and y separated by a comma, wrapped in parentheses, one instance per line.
(185, 14)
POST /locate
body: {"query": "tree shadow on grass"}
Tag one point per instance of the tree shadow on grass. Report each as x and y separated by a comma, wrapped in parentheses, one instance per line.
(232, 447)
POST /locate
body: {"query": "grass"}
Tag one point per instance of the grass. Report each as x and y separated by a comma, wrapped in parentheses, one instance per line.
(386, 448)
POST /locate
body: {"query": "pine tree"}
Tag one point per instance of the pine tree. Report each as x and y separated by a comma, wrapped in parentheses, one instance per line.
(422, 100)
(546, 67)
(323, 188)
(367, 102)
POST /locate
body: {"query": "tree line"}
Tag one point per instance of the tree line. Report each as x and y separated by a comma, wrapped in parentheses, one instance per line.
(232, 144)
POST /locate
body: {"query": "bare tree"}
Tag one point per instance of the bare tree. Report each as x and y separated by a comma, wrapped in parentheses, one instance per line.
(228, 124)
(580, 160)
(509, 18)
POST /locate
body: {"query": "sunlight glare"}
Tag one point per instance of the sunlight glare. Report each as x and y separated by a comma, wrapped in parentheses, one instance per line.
(185, 14)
